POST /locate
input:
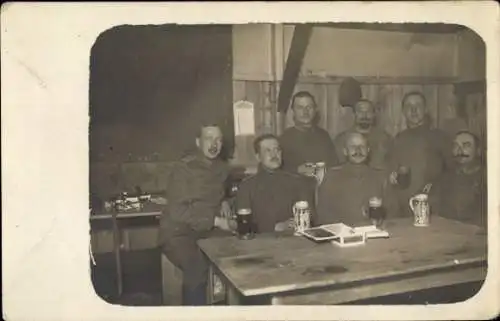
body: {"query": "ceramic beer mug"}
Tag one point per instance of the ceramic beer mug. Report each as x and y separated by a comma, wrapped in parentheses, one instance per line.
(301, 217)
(419, 205)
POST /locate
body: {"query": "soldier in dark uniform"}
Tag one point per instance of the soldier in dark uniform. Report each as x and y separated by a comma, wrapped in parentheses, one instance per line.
(194, 196)
(272, 192)
(460, 193)
(425, 151)
(346, 190)
(306, 142)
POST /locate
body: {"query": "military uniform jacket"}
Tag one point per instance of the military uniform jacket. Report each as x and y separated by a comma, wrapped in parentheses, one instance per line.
(460, 196)
(346, 189)
(426, 151)
(310, 145)
(194, 194)
(271, 195)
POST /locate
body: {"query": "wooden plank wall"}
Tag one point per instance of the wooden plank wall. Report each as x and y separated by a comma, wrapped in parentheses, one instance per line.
(335, 118)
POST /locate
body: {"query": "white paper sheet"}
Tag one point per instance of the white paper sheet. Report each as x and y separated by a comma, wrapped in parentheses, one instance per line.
(244, 120)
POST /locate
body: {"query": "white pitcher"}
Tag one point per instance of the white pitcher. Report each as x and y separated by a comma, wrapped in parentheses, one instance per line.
(419, 205)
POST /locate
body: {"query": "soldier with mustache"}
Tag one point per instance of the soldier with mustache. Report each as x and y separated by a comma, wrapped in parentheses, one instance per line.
(460, 193)
(364, 123)
(345, 192)
(195, 196)
(272, 192)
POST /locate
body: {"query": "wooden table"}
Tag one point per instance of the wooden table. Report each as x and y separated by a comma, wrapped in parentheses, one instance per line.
(286, 269)
(115, 216)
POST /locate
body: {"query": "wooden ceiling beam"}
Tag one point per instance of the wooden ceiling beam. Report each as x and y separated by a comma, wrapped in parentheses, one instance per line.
(298, 47)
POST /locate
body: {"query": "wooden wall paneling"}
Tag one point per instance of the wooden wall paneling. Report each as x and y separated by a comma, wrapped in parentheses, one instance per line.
(431, 94)
(384, 106)
(447, 104)
(266, 107)
(239, 90)
(396, 123)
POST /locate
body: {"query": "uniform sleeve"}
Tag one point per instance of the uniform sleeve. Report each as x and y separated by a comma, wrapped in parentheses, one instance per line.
(338, 144)
(290, 163)
(392, 157)
(436, 194)
(333, 160)
(324, 206)
(445, 147)
(178, 193)
(389, 197)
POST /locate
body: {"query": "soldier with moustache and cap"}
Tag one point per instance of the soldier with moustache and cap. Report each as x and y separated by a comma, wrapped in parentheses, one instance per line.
(460, 193)
(346, 190)
(195, 196)
(272, 192)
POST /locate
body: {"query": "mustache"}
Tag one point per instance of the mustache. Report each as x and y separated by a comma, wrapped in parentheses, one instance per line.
(462, 155)
(357, 154)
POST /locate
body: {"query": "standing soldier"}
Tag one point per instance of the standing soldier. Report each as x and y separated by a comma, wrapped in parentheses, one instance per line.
(420, 153)
(306, 142)
(194, 197)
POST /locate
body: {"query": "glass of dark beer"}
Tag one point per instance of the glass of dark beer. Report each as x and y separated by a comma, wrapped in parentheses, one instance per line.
(376, 212)
(245, 223)
(404, 177)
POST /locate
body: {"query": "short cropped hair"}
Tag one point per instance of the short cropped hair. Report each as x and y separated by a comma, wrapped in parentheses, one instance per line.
(364, 100)
(302, 94)
(413, 93)
(205, 125)
(259, 139)
(476, 139)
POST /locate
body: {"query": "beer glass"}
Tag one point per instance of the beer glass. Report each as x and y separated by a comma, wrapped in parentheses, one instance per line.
(245, 223)
(404, 177)
(376, 212)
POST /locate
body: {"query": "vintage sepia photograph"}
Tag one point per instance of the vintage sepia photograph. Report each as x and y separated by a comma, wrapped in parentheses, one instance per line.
(288, 164)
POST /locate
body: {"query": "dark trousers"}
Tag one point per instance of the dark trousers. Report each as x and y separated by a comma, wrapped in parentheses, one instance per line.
(180, 247)
(185, 254)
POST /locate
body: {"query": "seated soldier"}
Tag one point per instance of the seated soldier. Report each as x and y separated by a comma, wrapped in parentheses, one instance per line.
(460, 193)
(195, 196)
(346, 190)
(272, 192)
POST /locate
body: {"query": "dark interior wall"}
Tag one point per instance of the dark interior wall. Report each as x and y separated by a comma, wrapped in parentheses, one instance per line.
(152, 86)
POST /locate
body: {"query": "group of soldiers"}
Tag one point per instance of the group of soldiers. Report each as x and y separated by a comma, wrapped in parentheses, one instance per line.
(362, 162)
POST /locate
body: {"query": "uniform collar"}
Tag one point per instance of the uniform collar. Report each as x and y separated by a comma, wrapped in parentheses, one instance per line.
(261, 170)
(469, 170)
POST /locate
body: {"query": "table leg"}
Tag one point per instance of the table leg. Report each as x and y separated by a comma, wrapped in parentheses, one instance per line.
(116, 248)
(233, 296)
(210, 285)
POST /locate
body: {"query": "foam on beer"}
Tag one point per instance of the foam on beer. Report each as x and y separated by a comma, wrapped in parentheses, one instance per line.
(375, 202)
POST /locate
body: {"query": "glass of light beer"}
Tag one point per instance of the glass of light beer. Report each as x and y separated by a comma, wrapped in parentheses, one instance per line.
(244, 221)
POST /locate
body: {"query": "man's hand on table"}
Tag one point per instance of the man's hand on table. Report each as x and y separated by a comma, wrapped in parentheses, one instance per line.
(225, 224)
(225, 210)
(283, 226)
